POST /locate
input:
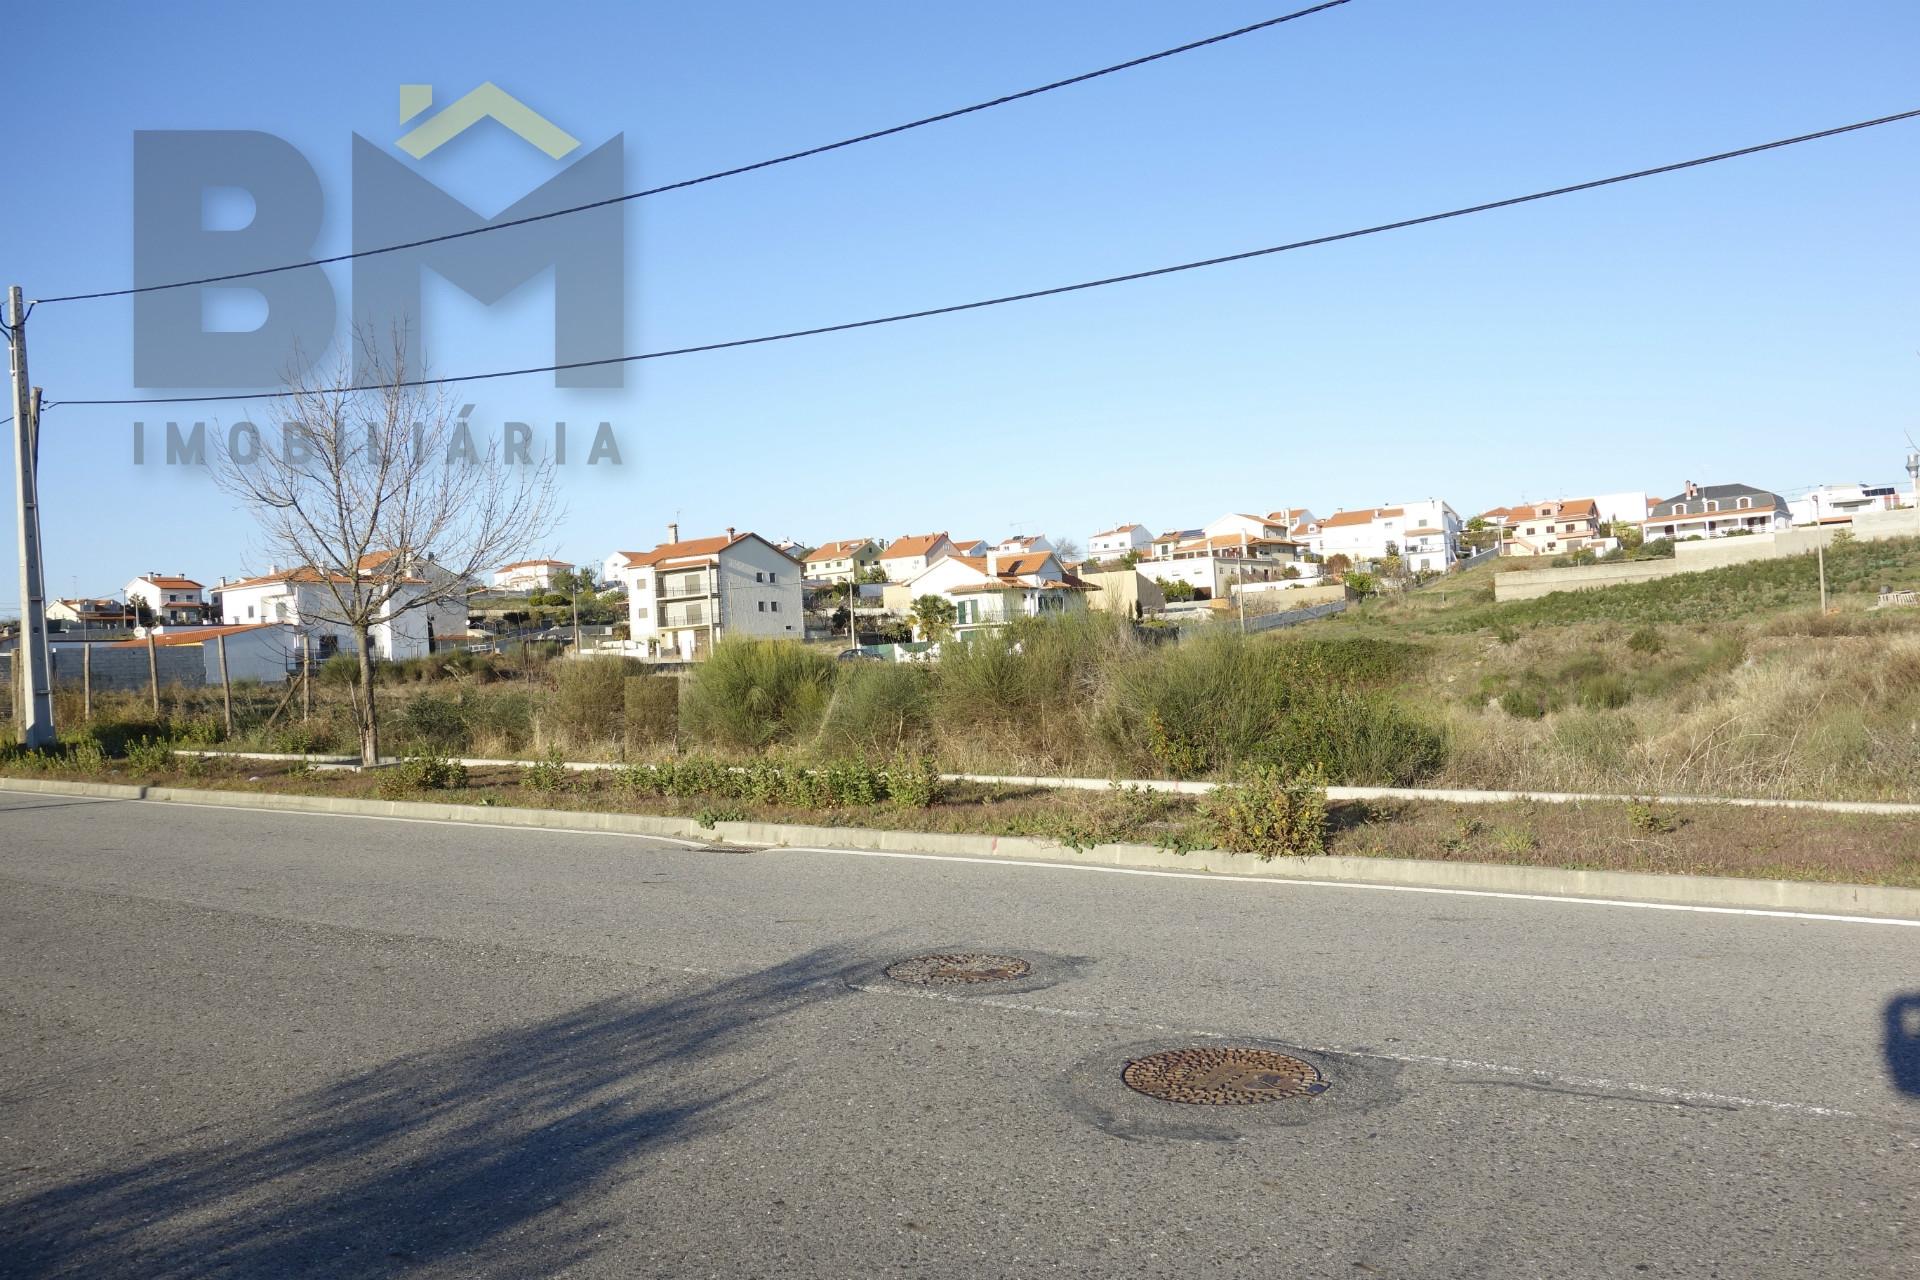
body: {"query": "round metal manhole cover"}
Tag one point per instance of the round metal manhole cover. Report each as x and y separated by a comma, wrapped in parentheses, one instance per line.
(1222, 1077)
(958, 968)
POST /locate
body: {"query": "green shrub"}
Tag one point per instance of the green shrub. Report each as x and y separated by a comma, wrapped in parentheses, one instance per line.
(150, 755)
(547, 775)
(1603, 691)
(430, 722)
(342, 669)
(912, 782)
(1647, 640)
(1643, 816)
(878, 709)
(749, 694)
(87, 756)
(1268, 811)
(588, 707)
(1523, 704)
(652, 709)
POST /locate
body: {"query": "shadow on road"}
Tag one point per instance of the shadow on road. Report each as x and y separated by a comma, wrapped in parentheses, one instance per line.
(471, 1157)
(1902, 1043)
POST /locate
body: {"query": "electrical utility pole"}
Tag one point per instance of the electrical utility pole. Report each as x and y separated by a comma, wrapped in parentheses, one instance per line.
(33, 712)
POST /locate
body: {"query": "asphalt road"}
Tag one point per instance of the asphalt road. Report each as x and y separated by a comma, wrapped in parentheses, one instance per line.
(250, 1044)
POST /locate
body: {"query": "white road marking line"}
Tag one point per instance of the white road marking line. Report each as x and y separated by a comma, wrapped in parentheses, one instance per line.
(1662, 1092)
(1288, 881)
(1764, 912)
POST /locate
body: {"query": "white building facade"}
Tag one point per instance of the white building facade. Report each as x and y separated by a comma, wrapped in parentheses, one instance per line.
(683, 597)
(169, 597)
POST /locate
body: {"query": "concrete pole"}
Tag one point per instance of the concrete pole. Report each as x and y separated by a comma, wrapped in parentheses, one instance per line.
(153, 673)
(33, 711)
(86, 680)
(226, 685)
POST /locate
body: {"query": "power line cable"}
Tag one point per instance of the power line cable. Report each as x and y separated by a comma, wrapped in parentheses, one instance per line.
(1053, 291)
(723, 173)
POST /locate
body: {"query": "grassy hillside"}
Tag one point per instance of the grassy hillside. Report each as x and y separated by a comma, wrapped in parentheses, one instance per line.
(1729, 681)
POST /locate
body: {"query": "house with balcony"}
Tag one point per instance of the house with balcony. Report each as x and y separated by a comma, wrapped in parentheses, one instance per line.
(1215, 563)
(685, 596)
(842, 560)
(170, 598)
(992, 590)
(907, 558)
(1555, 528)
(1425, 535)
(1716, 510)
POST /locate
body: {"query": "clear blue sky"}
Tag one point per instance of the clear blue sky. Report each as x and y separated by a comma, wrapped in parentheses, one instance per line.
(1753, 321)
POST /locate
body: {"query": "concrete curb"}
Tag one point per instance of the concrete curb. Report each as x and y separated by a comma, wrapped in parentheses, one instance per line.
(1480, 877)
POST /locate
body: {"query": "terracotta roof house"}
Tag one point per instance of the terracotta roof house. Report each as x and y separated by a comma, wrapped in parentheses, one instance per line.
(906, 558)
(842, 560)
(1550, 528)
(686, 595)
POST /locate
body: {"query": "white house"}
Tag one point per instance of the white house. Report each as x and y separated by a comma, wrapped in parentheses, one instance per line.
(89, 613)
(992, 590)
(1112, 544)
(907, 558)
(1829, 503)
(171, 597)
(1425, 535)
(529, 575)
(1716, 510)
(309, 601)
(1019, 546)
(684, 596)
(842, 560)
(1213, 564)
(969, 546)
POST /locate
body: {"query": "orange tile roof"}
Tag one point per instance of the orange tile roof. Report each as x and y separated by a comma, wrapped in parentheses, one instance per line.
(917, 545)
(175, 584)
(1009, 565)
(691, 549)
(524, 564)
(195, 636)
(840, 550)
(1345, 519)
(304, 574)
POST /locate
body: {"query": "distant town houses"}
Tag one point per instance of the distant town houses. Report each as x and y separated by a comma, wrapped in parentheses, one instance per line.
(410, 624)
(1717, 510)
(1425, 535)
(1840, 503)
(168, 598)
(842, 560)
(1559, 527)
(1120, 541)
(993, 589)
(685, 596)
(97, 614)
(906, 558)
(530, 575)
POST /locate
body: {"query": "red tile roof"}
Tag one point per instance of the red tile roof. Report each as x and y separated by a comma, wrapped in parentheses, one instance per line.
(173, 584)
(195, 636)
(691, 549)
(1344, 519)
(840, 550)
(917, 545)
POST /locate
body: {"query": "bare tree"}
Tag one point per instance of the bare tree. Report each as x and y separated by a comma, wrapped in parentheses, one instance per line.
(376, 492)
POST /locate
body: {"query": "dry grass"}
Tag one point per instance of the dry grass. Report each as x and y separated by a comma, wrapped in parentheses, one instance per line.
(1784, 844)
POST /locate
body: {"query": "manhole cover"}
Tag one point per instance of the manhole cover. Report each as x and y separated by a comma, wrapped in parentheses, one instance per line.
(1222, 1077)
(957, 968)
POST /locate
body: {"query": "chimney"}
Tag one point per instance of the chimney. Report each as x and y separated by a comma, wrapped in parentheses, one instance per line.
(673, 531)
(1693, 490)
(729, 533)
(993, 562)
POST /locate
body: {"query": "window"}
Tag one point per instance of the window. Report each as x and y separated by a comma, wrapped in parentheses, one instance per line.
(763, 604)
(758, 576)
(773, 606)
(1713, 504)
(249, 611)
(640, 612)
(772, 576)
(1744, 503)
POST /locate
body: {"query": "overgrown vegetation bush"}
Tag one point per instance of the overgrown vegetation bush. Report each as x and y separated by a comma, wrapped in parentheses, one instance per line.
(1269, 811)
(908, 782)
(751, 694)
(588, 705)
(1220, 702)
(419, 773)
(878, 710)
(651, 705)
